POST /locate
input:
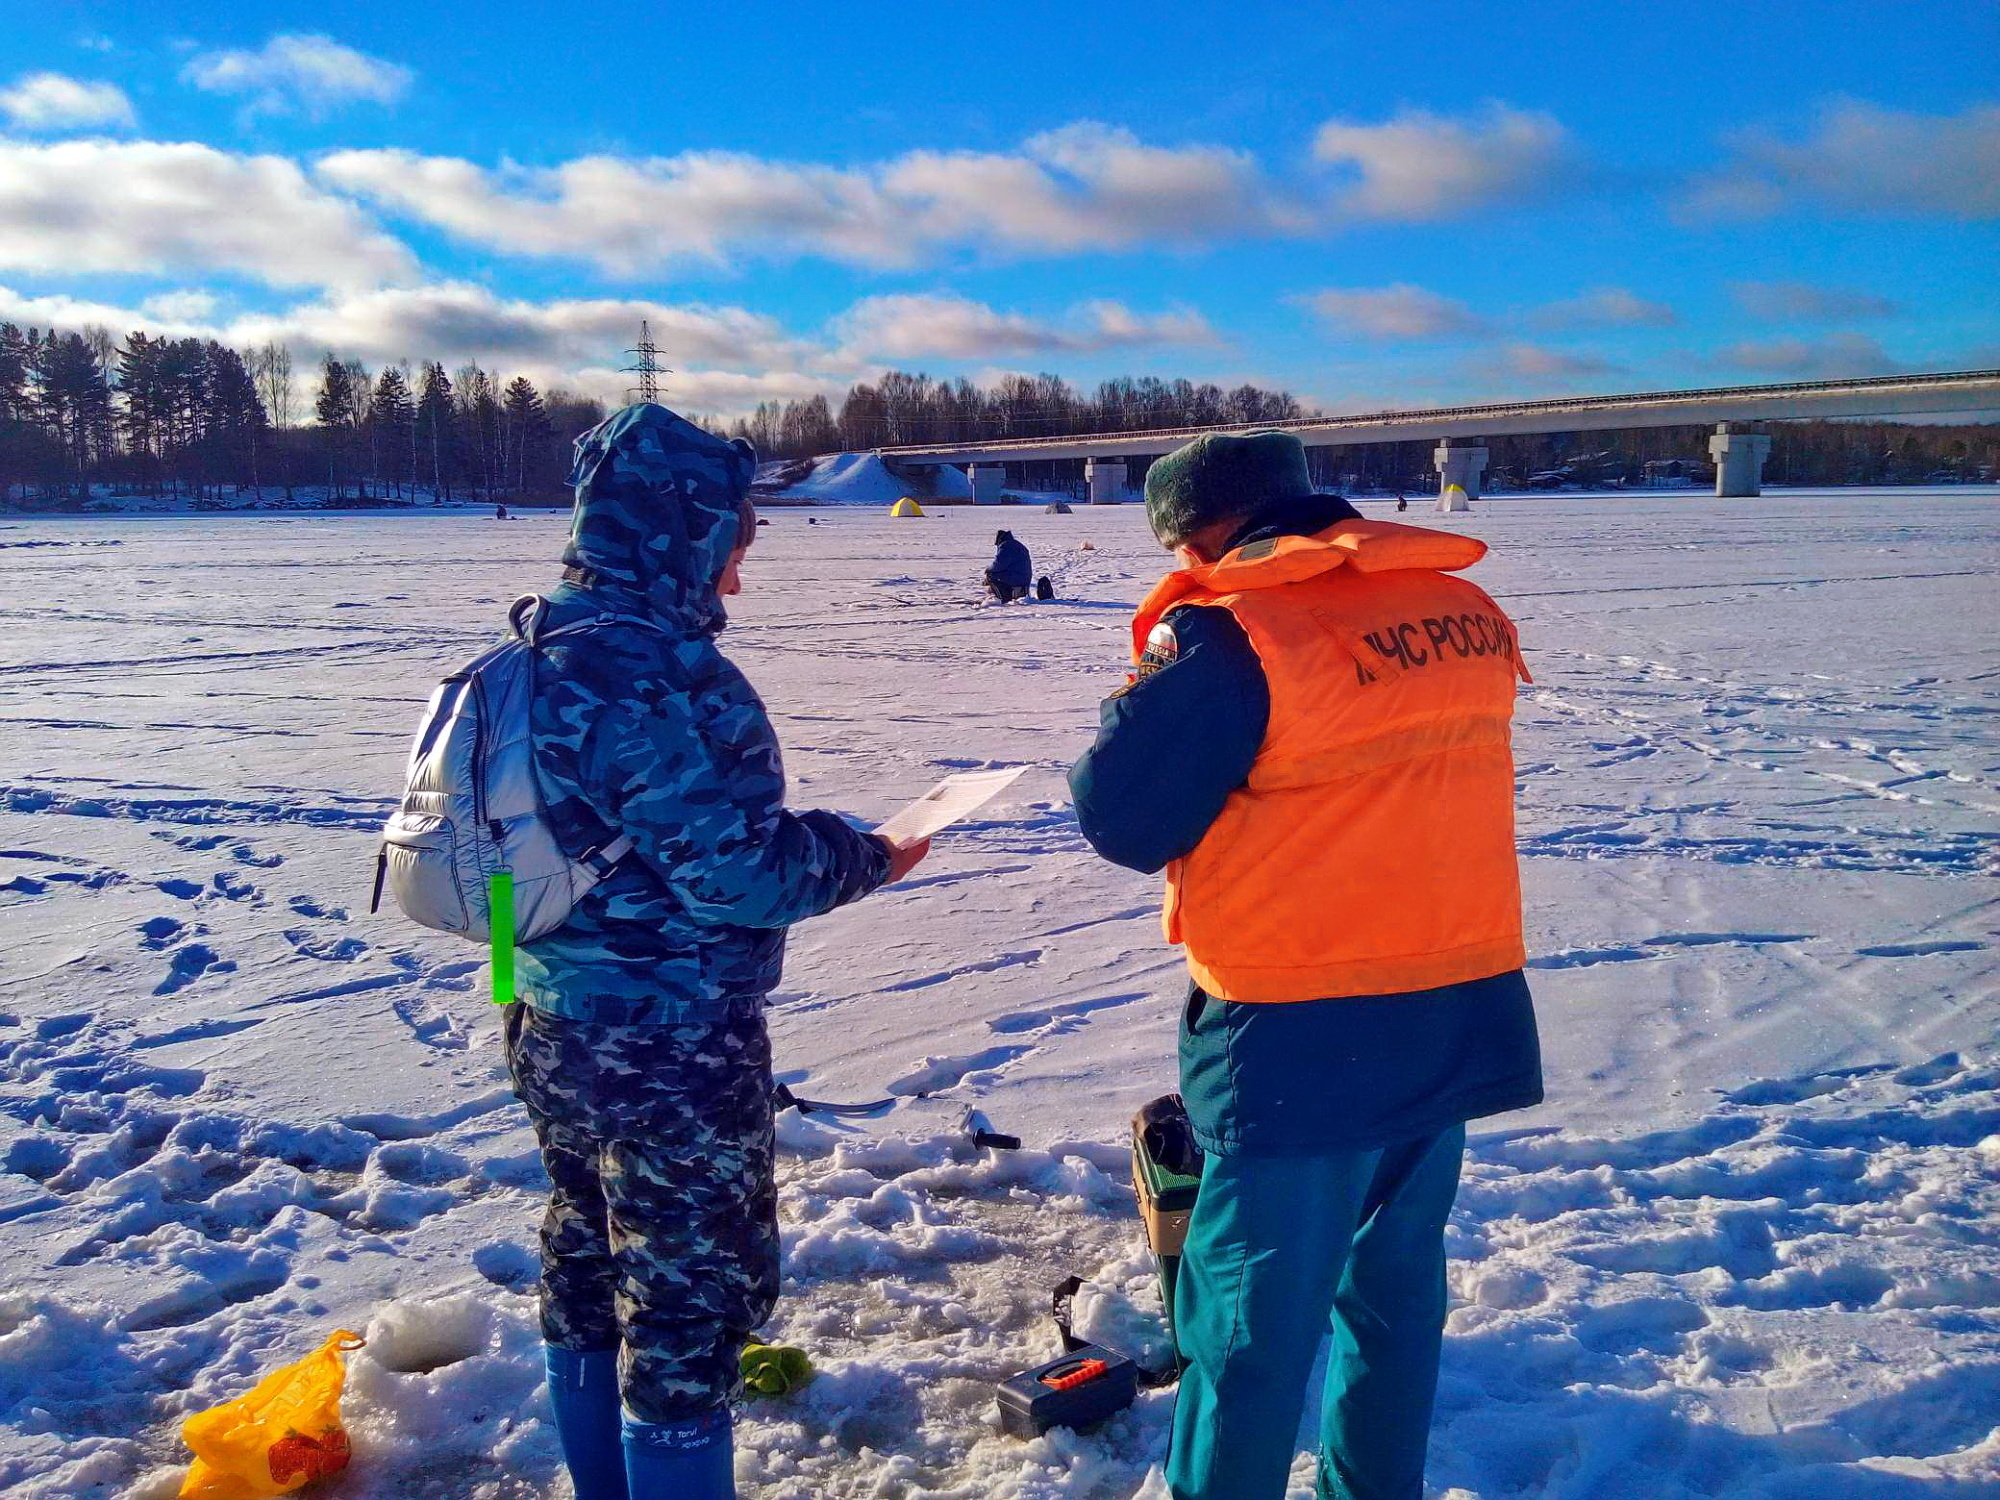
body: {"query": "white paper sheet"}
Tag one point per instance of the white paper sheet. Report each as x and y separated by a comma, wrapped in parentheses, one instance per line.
(950, 800)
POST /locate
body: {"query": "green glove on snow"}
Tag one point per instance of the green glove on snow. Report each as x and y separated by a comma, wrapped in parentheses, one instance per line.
(774, 1369)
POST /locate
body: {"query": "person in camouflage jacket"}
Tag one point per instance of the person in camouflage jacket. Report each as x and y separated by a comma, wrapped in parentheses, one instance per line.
(638, 1043)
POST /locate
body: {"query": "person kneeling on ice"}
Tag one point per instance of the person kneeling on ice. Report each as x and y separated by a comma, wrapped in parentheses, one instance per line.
(638, 1043)
(1013, 572)
(1315, 747)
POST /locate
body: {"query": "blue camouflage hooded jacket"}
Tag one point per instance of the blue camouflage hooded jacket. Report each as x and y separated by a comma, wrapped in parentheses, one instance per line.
(653, 732)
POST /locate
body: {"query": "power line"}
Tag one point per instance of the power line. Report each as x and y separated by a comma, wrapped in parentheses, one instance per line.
(648, 367)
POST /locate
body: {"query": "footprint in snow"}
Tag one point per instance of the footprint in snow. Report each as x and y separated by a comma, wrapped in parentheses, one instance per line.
(157, 932)
(189, 963)
(1921, 950)
(233, 887)
(1062, 1018)
(507, 1265)
(327, 950)
(935, 1074)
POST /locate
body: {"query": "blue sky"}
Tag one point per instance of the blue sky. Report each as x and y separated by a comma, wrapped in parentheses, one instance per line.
(1375, 206)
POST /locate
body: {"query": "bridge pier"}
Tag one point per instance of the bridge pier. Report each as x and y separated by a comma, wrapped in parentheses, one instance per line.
(988, 480)
(1104, 480)
(1739, 451)
(1460, 461)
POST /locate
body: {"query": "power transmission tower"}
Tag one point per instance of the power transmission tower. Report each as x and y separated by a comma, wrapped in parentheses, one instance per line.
(648, 367)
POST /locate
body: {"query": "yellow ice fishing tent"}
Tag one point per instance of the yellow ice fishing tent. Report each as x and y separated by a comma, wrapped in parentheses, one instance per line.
(906, 507)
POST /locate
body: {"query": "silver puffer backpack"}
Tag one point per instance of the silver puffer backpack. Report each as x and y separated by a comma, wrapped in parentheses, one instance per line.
(472, 805)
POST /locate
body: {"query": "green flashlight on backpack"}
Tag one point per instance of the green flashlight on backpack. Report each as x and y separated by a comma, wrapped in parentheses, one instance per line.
(500, 923)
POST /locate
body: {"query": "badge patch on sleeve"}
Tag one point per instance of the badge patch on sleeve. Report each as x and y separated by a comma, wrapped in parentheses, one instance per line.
(1163, 649)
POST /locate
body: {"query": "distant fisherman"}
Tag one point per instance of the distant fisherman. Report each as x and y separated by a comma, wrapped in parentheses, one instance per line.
(1315, 747)
(641, 1050)
(1012, 574)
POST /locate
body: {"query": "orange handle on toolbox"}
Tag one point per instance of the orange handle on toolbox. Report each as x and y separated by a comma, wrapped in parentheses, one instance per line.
(1082, 1374)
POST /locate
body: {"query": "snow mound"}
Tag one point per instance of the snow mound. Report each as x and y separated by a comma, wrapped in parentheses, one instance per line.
(859, 479)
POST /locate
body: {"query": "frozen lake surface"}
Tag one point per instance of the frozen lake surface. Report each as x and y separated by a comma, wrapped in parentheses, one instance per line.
(1747, 1248)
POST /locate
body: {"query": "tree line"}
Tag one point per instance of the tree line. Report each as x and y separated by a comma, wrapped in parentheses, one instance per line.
(193, 418)
(904, 408)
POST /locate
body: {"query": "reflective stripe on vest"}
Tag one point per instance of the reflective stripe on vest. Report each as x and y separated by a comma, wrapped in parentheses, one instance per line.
(1371, 851)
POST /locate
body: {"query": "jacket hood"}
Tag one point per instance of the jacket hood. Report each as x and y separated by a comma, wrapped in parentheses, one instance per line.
(659, 505)
(1290, 557)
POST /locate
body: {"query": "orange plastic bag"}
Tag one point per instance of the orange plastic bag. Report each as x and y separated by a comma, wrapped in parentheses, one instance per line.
(282, 1434)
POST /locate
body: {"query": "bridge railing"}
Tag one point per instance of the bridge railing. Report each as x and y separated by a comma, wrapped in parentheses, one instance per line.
(1555, 405)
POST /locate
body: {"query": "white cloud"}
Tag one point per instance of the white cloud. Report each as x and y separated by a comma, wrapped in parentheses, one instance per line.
(1607, 307)
(727, 394)
(55, 101)
(73, 314)
(1089, 186)
(299, 72)
(1086, 187)
(1802, 301)
(188, 306)
(1836, 357)
(1420, 166)
(1862, 159)
(1533, 362)
(630, 216)
(569, 342)
(724, 359)
(453, 322)
(1393, 312)
(158, 208)
(952, 327)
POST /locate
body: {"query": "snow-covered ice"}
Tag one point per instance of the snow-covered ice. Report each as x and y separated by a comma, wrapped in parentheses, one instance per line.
(1748, 1247)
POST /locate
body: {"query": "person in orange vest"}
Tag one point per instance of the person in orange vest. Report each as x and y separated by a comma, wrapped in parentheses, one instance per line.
(1315, 747)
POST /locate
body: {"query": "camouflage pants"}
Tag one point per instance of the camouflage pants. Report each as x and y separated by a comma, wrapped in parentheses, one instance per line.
(661, 1238)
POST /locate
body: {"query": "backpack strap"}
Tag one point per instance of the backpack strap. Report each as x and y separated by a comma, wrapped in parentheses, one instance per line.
(525, 617)
(601, 860)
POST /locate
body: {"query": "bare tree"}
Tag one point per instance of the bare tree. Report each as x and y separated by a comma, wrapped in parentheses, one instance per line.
(271, 368)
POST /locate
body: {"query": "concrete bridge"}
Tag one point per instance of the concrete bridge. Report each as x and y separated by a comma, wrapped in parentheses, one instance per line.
(1738, 413)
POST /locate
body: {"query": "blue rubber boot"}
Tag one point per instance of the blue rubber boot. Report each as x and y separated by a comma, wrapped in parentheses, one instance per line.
(583, 1390)
(691, 1460)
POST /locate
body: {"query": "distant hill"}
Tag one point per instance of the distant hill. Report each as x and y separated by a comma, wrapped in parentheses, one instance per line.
(858, 479)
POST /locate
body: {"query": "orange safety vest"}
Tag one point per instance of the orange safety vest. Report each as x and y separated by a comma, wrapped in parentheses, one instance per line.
(1371, 851)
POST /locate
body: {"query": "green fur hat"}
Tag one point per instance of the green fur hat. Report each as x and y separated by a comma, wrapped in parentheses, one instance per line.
(1223, 476)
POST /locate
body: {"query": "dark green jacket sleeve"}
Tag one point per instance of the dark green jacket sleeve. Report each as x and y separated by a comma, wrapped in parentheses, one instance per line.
(1172, 747)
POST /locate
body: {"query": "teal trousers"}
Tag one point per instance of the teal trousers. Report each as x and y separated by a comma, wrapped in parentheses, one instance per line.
(1281, 1251)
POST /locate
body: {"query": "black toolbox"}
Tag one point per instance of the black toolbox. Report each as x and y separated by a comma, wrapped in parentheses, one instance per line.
(1080, 1389)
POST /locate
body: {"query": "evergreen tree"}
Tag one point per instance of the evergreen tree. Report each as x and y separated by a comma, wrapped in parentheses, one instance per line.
(334, 409)
(436, 431)
(73, 400)
(18, 434)
(238, 423)
(527, 432)
(143, 398)
(392, 418)
(478, 415)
